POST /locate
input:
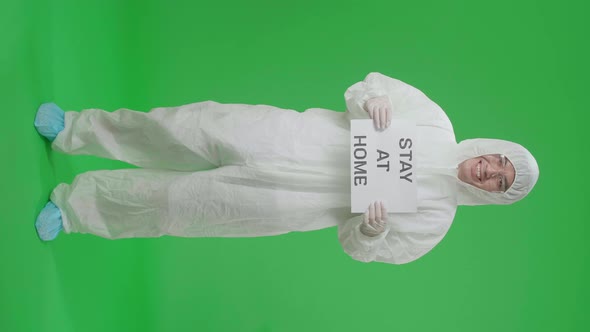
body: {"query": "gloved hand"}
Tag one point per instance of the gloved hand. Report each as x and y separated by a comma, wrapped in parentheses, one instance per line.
(375, 220)
(379, 109)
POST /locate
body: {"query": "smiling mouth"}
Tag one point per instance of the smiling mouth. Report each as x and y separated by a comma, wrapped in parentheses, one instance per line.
(478, 171)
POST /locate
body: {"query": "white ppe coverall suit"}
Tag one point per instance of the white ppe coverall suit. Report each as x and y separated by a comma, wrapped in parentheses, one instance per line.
(232, 170)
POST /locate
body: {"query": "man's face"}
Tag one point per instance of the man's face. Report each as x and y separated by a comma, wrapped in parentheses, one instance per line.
(490, 172)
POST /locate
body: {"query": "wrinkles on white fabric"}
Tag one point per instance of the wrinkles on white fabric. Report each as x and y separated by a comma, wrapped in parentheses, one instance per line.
(152, 203)
(223, 170)
(206, 135)
(356, 244)
(233, 170)
(407, 102)
(412, 235)
(112, 203)
(231, 209)
(357, 95)
(409, 235)
(388, 247)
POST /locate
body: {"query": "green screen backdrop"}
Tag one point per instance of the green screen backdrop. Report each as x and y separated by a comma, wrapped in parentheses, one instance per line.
(505, 69)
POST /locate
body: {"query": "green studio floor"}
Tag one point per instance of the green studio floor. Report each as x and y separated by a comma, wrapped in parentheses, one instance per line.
(515, 70)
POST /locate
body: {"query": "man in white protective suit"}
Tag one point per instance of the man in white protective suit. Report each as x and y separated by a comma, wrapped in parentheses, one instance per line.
(231, 170)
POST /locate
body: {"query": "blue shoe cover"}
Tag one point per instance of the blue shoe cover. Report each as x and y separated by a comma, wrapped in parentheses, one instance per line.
(50, 120)
(48, 222)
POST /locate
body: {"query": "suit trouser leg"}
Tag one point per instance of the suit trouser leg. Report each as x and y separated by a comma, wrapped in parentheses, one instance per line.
(191, 137)
(229, 196)
(230, 201)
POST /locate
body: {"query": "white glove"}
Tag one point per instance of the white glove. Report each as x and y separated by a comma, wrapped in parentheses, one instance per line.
(375, 220)
(379, 109)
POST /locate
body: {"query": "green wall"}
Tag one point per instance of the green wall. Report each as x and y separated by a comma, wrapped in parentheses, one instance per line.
(515, 70)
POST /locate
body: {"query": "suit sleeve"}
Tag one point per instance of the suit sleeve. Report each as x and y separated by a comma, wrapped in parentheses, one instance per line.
(359, 93)
(407, 237)
(407, 102)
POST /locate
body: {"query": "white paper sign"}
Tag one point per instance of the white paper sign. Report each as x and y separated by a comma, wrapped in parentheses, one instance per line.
(383, 165)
